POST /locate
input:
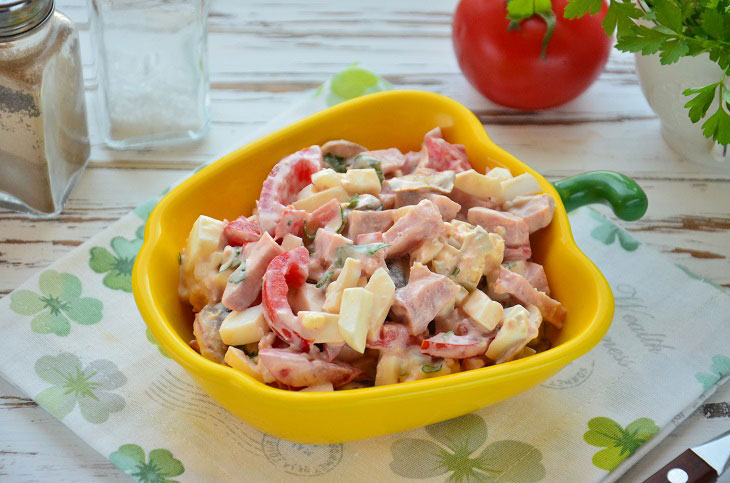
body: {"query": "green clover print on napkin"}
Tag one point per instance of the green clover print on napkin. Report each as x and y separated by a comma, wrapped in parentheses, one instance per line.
(606, 232)
(60, 300)
(130, 458)
(618, 442)
(88, 386)
(458, 440)
(117, 264)
(719, 369)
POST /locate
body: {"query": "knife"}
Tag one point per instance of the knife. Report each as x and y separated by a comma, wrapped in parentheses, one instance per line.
(701, 464)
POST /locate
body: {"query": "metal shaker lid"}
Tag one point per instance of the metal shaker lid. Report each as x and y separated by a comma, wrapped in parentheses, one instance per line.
(18, 17)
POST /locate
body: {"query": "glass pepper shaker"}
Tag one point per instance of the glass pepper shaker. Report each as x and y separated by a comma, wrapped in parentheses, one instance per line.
(152, 66)
(44, 141)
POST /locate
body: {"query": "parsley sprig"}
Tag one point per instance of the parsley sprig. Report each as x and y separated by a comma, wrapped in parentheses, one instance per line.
(676, 29)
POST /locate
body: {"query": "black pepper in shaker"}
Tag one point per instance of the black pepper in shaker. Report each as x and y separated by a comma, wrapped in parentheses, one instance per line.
(44, 142)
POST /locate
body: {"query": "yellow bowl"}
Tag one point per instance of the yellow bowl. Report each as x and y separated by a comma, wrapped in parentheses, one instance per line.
(230, 187)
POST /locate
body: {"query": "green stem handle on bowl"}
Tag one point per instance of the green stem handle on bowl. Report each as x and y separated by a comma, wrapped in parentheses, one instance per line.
(622, 193)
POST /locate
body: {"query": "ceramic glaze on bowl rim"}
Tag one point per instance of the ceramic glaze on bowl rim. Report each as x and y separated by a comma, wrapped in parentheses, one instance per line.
(230, 186)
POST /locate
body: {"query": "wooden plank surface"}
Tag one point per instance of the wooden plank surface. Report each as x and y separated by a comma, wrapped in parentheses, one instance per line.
(263, 57)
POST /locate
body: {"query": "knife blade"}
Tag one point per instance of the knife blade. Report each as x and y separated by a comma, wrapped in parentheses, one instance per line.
(701, 464)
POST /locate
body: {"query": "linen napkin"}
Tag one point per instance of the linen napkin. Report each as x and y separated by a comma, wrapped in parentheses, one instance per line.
(74, 341)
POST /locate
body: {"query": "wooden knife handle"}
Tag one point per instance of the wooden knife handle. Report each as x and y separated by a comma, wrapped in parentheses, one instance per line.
(685, 468)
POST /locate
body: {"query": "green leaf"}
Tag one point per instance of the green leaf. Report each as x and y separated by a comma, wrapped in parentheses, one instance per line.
(672, 51)
(578, 8)
(25, 302)
(620, 15)
(668, 13)
(512, 461)
(522, 9)
(128, 457)
(101, 260)
(462, 435)
(417, 458)
(700, 103)
(118, 281)
(639, 38)
(717, 127)
(713, 23)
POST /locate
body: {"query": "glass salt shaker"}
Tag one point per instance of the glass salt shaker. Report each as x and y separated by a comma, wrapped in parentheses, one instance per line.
(152, 66)
(44, 141)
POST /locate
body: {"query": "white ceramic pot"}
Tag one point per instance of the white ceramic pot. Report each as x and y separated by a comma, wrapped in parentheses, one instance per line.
(663, 85)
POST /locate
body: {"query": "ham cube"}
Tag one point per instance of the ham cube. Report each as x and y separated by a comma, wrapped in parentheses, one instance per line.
(343, 148)
(443, 156)
(447, 207)
(426, 295)
(306, 297)
(512, 228)
(454, 346)
(361, 222)
(300, 370)
(241, 231)
(244, 284)
(424, 221)
(326, 244)
(535, 274)
(537, 211)
(391, 160)
(518, 287)
(517, 253)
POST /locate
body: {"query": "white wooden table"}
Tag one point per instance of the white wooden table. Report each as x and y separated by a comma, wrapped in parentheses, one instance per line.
(263, 56)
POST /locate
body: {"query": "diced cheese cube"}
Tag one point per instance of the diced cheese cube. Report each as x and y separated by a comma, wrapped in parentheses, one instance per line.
(239, 328)
(478, 185)
(461, 295)
(500, 174)
(306, 192)
(426, 251)
(290, 242)
(383, 288)
(522, 185)
(319, 198)
(348, 278)
(326, 179)
(485, 311)
(445, 261)
(355, 314)
(322, 327)
(514, 331)
(205, 237)
(495, 255)
(362, 181)
(326, 387)
(238, 360)
(388, 370)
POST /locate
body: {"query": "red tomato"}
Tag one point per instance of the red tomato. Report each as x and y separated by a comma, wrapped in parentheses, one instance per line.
(505, 65)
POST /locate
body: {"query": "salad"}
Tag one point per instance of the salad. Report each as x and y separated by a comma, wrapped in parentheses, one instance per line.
(363, 268)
